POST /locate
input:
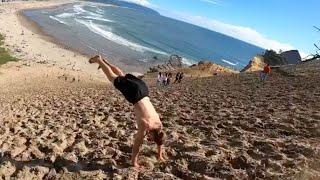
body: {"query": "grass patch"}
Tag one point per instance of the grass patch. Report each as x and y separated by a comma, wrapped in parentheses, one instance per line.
(4, 53)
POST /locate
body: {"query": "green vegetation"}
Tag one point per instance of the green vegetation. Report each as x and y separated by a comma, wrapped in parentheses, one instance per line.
(4, 53)
(273, 58)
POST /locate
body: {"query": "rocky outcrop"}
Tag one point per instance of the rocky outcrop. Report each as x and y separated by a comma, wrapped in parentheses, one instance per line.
(206, 68)
(272, 58)
(292, 57)
(173, 63)
(256, 64)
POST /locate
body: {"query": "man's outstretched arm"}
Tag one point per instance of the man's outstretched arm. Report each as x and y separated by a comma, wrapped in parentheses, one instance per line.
(136, 147)
(160, 153)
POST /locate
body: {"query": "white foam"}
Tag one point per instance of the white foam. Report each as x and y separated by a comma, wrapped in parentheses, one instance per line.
(187, 62)
(94, 14)
(78, 8)
(115, 38)
(97, 4)
(65, 15)
(97, 18)
(228, 62)
(99, 11)
(60, 21)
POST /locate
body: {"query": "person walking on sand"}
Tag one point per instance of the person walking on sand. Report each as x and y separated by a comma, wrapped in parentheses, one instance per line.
(264, 74)
(159, 78)
(136, 92)
(164, 79)
(177, 77)
(181, 75)
(168, 79)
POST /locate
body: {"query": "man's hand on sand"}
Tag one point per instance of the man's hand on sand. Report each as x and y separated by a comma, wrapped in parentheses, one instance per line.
(137, 167)
(161, 159)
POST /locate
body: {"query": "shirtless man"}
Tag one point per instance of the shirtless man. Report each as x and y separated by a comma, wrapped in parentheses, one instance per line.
(136, 92)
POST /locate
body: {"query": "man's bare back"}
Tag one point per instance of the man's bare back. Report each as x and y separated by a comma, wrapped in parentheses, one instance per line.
(146, 114)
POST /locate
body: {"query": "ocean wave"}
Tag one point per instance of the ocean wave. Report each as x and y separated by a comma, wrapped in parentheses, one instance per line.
(230, 63)
(97, 18)
(65, 15)
(78, 8)
(99, 11)
(60, 21)
(97, 4)
(115, 38)
(94, 14)
(188, 62)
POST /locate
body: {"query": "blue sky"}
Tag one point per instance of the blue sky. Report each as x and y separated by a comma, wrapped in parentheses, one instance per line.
(272, 24)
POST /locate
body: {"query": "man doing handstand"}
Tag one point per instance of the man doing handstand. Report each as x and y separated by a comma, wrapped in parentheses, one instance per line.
(136, 92)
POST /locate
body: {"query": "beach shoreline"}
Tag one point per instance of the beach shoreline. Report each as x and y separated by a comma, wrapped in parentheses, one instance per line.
(35, 28)
(31, 45)
(131, 66)
(35, 49)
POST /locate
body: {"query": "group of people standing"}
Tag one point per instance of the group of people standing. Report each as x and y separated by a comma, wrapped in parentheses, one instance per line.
(165, 78)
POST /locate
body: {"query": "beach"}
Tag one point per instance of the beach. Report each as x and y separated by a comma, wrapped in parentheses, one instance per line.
(61, 119)
(29, 44)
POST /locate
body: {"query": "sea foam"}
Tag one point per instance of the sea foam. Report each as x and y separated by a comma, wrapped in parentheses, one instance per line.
(59, 20)
(65, 15)
(115, 38)
(228, 62)
(97, 18)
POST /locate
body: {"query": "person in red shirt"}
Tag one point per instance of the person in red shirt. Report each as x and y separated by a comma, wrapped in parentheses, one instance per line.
(266, 71)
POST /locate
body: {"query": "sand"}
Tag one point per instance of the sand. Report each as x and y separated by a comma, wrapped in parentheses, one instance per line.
(28, 43)
(66, 122)
(229, 127)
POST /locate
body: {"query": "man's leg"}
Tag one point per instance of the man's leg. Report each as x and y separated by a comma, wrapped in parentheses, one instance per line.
(114, 68)
(105, 68)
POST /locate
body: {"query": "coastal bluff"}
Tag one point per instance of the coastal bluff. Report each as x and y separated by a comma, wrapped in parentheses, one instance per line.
(203, 68)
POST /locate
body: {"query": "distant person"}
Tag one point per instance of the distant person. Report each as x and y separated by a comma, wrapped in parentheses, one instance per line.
(264, 74)
(180, 77)
(159, 78)
(164, 79)
(136, 92)
(168, 79)
(177, 77)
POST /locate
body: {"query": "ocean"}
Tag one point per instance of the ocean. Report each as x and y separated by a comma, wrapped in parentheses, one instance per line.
(136, 36)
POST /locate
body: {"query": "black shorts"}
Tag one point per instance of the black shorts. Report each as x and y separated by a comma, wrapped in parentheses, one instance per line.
(133, 88)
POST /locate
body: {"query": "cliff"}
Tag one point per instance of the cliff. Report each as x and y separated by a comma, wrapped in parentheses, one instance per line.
(206, 68)
(256, 64)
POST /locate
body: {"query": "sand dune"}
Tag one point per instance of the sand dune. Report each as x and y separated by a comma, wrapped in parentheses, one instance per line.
(59, 119)
(223, 127)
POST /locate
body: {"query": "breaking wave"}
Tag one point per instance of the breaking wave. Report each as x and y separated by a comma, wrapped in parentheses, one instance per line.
(115, 38)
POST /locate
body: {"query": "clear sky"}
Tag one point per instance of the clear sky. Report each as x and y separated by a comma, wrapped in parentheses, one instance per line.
(271, 24)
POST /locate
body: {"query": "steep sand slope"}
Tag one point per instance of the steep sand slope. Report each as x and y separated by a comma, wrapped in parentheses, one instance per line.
(224, 126)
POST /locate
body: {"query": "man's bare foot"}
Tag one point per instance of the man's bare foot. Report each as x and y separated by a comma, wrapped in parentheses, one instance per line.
(94, 59)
